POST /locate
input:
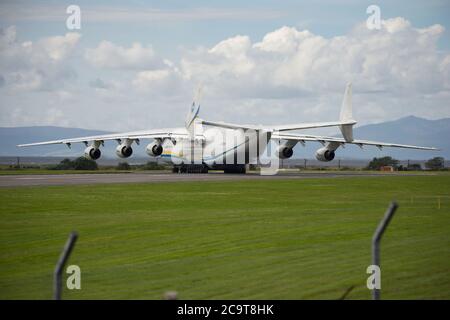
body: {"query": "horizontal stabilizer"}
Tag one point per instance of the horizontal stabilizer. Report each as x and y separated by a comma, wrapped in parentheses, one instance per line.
(301, 126)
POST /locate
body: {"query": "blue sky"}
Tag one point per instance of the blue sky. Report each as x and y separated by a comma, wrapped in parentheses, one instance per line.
(175, 48)
(253, 18)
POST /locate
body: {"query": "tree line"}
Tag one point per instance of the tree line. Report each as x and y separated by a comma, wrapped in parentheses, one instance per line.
(81, 163)
(436, 163)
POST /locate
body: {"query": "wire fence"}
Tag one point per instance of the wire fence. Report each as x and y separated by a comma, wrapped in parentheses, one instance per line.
(439, 202)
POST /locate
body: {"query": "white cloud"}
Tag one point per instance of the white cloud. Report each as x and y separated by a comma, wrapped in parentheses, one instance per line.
(289, 75)
(59, 47)
(284, 40)
(396, 24)
(36, 65)
(162, 82)
(150, 77)
(26, 80)
(110, 55)
(396, 58)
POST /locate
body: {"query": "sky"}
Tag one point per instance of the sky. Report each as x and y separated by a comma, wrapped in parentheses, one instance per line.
(136, 64)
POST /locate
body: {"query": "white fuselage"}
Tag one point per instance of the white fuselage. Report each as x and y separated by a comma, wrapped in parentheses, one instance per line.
(218, 146)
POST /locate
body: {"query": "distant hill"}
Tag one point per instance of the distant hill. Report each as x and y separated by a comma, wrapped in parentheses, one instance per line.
(11, 137)
(408, 130)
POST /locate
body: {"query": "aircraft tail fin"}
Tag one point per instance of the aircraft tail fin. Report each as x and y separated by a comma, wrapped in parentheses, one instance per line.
(347, 114)
(193, 112)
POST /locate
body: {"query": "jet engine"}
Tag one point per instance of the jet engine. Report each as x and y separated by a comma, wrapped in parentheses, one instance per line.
(284, 152)
(325, 154)
(154, 149)
(92, 153)
(124, 151)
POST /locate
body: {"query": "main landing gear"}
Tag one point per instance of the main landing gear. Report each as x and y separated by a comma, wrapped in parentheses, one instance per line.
(191, 168)
(201, 168)
(238, 168)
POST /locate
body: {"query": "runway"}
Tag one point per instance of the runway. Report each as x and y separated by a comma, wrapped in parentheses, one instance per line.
(108, 178)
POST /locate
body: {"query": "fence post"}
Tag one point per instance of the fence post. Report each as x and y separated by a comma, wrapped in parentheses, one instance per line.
(376, 242)
(346, 293)
(57, 275)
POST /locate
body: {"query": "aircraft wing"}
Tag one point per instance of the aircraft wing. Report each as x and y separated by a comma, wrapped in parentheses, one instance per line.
(300, 126)
(341, 141)
(230, 125)
(286, 127)
(135, 135)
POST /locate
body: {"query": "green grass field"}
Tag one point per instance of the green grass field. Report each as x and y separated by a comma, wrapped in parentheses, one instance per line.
(272, 239)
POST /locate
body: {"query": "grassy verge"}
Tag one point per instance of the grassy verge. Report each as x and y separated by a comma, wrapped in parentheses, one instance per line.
(46, 171)
(261, 239)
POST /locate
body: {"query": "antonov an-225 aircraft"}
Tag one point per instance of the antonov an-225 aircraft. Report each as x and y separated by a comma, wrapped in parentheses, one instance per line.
(204, 144)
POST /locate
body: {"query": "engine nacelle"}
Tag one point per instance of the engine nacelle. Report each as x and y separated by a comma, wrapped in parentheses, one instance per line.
(92, 153)
(154, 149)
(324, 154)
(284, 152)
(124, 151)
